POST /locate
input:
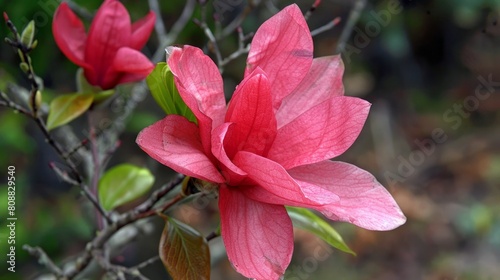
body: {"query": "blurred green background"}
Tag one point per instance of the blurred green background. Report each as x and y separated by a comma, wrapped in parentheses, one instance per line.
(431, 69)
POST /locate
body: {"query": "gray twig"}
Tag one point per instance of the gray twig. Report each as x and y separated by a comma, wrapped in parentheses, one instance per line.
(351, 22)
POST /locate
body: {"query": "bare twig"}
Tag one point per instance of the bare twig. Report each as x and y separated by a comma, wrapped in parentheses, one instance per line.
(142, 211)
(212, 235)
(9, 104)
(147, 262)
(251, 5)
(213, 46)
(43, 259)
(118, 271)
(359, 5)
(179, 25)
(325, 27)
(159, 24)
(313, 8)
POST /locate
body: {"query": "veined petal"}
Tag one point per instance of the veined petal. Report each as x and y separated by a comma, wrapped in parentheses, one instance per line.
(231, 172)
(69, 34)
(283, 48)
(323, 132)
(323, 81)
(109, 31)
(252, 114)
(363, 201)
(258, 236)
(273, 178)
(175, 142)
(129, 65)
(141, 30)
(200, 85)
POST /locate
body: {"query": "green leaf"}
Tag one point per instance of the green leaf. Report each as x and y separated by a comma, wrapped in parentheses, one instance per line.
(162, 87)
(101, 96)
(306, 219)
(66, 108)
(184, 252)
(122, 184)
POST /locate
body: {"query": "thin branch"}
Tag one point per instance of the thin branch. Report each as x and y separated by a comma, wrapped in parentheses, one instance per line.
(212, 235)
(313, 8)
(147, 263)
(118, 270)
(235, 55)
(325, 27)
(142, 211)
(351, 22)
(9, 104)
(179, 25)
(159, 24)
(44, 259)
(212, 41)
(252, 4)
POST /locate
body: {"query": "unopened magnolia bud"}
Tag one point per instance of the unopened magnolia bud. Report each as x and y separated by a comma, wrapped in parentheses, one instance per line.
(24, 66)
(38, 100)
(35, 43)
(28, 34)
(21, 55)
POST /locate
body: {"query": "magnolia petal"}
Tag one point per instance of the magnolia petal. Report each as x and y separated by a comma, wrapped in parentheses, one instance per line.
(69, 34)
(323, 132)
(200, 85)
(283, 48)
(109, 31)
(363, 201)
(141, 30)
(252, 114)
(175, 142)
(233, 174)
(274, 179)
(258, 236)
(323, 81)
(129, 65)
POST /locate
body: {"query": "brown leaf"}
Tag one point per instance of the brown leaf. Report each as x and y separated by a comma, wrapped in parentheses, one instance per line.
(184, 251)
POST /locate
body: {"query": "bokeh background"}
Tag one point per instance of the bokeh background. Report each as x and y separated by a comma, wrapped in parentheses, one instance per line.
(431, 69)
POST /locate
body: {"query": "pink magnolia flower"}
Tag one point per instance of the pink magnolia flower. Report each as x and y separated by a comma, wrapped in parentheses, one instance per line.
(110, 52)
(271, 145)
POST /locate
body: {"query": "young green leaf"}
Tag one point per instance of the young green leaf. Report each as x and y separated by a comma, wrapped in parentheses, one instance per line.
(122, 184)
(184, 252)
(162, 87)
(66, 108)
(306, 219)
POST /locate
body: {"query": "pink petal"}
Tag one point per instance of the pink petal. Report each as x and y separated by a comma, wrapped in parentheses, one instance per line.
(200, 85)
(283, 48)
(274, 179)
(363, 201)
(109, 31)
(129, 65)
(252, 114)
(323, 132)
(175, 142)
(69, 34)
(323, 81)
(141, 30)
(258, 236)
(233, 174)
